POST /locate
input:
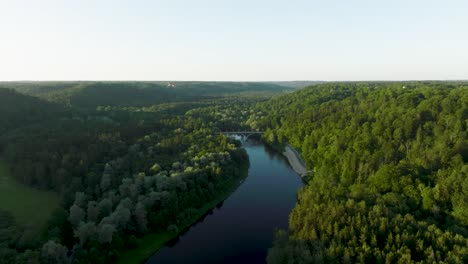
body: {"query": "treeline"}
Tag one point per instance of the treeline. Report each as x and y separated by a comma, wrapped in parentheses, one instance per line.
(391, 174)
(233, 113)
(122, 172)
(158, 185)
(18, 110)
(90, 95)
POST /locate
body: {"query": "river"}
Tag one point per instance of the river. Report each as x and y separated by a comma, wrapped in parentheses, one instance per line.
(241, 229)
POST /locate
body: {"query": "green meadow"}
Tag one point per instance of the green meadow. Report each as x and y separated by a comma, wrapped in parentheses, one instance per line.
(29, 206)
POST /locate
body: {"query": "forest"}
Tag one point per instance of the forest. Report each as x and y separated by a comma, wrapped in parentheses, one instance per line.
(390, 173)
(89, 95)
(119, 161)
(120, 171)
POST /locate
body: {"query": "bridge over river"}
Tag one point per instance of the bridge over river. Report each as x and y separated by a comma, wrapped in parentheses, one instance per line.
(245, 134)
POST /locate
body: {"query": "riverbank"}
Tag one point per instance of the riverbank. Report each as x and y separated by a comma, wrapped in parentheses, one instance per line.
(295, 160)
(242, 230)
(152, 242)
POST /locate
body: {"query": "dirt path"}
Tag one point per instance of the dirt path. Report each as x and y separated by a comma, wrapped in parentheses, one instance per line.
(295, 160)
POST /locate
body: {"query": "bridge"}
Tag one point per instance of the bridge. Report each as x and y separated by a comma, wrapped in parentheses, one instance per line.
(243, 134)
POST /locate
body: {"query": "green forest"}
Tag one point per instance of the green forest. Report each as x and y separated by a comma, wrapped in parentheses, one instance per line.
(105, 167)
(390, 173)
(110, 165)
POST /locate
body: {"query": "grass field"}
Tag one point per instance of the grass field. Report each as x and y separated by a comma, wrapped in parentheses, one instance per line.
(29, 206)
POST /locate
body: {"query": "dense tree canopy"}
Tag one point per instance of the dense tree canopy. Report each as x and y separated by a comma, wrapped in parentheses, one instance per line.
(18, 110)
(390, 172)
(136, 94)
(122, 171)
(388, 162)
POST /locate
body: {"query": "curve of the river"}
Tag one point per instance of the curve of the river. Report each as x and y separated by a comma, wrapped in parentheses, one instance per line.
(241, 229)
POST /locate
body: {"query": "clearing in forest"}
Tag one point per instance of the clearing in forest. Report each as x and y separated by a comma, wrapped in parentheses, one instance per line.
(30, 207)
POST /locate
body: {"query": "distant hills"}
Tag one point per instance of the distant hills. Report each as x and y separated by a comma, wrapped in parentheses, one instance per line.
(93, 94)
(297, 84)
(18, 110)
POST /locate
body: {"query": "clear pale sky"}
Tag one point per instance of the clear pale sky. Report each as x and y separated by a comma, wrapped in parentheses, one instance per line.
(236, 40)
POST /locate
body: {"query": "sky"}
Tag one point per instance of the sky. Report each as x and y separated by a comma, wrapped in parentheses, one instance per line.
(233, 40)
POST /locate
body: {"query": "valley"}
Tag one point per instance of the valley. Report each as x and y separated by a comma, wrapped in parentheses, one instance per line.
(383, 173)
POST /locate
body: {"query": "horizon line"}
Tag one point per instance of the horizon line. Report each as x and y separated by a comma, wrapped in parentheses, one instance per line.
(243, 81)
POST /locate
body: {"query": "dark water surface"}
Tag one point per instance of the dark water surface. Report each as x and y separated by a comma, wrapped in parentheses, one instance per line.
(241, 229)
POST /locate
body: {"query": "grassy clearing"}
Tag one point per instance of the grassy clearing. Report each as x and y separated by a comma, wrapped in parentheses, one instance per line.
(150, 243)
(29, 206)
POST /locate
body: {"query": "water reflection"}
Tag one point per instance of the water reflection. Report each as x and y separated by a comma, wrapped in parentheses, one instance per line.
(240, 229)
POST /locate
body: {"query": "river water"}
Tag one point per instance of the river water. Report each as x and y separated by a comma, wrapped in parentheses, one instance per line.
(241, 229)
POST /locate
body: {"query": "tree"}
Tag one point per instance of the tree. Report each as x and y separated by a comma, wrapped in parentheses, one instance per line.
(105, 182)
(29, 257)
(173, 229)
(53, 252)
(93, 211)
(105, 207)
(121, 217)
(140, 217)
(105, 233)
(80, 199)
(76, 215)
(155, 168)
(85, 232)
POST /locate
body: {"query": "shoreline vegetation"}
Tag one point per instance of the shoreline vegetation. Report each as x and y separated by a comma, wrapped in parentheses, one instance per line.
(151, 243)
(391, 170)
